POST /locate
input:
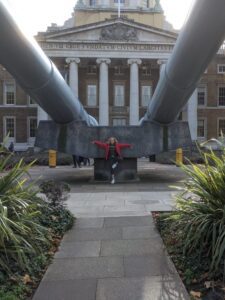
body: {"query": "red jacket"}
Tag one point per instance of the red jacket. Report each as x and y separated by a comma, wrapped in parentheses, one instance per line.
(105, 146)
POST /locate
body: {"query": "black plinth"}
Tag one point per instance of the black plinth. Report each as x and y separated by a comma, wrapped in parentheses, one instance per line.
(125, 171)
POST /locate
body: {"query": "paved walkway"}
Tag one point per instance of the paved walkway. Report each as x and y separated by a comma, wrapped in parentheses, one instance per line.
(113, 252)
(116, 204)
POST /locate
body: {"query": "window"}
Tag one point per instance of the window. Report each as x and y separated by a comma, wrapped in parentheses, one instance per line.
(201, 94)
(92, 95)
(9, 127)
(118, 70)
(92, 2)
(31, 101)
(119, 122)
(146, 91)
(9, 93)
(92, 69)
(119, 95)
(32, 127)
(201, 128)
(221, 69)
(221, 96)
(221, 127)
(146, 70)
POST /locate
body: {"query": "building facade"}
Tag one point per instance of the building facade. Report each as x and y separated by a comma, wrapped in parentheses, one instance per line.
(112, 64)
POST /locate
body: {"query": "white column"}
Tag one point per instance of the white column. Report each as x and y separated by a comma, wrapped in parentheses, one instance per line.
(134, 90)
(162, 64)
(73, 74)
(103, 91)
(192, 115)
(41, 115)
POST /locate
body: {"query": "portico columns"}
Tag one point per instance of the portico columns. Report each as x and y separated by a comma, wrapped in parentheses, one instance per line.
(103, 91)
(41, 114)
(73, 74)
(192, 115)
(134, 90)
(162, 64)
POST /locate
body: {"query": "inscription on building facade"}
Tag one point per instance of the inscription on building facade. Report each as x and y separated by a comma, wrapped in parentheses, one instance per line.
(113, 47)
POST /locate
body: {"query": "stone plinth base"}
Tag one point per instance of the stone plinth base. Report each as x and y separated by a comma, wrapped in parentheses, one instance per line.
(125, 171)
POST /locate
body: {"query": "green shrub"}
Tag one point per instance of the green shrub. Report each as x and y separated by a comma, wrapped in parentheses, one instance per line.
(30, 228)
(58, 218)
(20, 232)
(56, 192)
(199, 219)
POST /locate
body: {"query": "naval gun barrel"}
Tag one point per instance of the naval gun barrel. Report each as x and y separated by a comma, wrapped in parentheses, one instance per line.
(36, 73)
(197, 43)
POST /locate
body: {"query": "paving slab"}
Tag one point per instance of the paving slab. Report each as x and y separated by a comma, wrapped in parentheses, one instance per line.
(125, 208)
(93, 209)
(104, 214)
(139, 232)
(132, 247)
(95, 202)
(67, 290)
(79, 249)
(146, 288)
(89, 223)
(128, 221)
(146, 266)
(84, 268)
(93, 234)
(141, 201)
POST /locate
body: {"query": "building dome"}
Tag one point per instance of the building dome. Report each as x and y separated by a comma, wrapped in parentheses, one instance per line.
(125, 4)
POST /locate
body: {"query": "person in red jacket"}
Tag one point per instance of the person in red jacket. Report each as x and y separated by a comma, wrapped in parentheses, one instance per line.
(112, 153)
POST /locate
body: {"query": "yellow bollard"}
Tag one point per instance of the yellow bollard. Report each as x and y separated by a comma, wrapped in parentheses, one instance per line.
(52, 158)
(179, 156)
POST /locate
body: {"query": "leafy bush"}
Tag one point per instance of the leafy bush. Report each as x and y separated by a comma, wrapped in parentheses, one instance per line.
(56, 192)
(199, 219)
(20, 232)
(58, 217)
(30, 229)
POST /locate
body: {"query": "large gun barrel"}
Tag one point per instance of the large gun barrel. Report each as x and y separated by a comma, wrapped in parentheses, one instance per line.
(37, 75)
(197, 43)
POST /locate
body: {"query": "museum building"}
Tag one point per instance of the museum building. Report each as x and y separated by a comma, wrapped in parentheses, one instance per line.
(111, 59)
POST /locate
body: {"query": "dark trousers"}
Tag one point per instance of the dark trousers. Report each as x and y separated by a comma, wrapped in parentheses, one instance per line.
(86, 161)
(112, 161)
(76, 161)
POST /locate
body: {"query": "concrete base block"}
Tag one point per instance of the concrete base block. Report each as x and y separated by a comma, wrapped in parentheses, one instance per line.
(148, 139)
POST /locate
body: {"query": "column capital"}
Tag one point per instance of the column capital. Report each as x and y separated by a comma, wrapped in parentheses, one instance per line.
(161, 61)
(69, 60)
(137, 61)
(103, 60)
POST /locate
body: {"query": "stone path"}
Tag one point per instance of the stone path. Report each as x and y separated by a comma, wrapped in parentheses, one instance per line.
(113, 252)
(115, 204)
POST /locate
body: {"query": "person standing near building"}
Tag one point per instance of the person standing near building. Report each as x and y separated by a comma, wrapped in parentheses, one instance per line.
(76, 161)
(112, 153)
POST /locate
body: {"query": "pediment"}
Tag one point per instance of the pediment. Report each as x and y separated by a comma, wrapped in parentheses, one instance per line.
(111, 31)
